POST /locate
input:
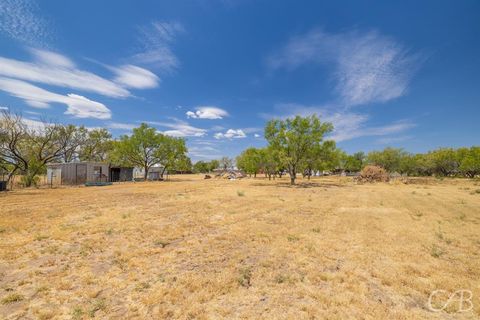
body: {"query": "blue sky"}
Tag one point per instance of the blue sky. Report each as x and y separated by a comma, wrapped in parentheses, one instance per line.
(404, 74)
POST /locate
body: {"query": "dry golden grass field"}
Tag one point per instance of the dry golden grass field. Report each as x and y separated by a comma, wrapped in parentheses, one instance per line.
(246, 249)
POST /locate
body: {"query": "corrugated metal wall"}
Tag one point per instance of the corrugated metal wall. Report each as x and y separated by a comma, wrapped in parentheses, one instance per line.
(93, 177)
(126, 174)
(79, 173)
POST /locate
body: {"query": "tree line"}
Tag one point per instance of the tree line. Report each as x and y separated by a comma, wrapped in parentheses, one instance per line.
(25, 150)
(297, 145)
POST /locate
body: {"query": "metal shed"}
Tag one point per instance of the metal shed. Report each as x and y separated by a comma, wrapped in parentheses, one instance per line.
(121, 174)
(78, 172)
(154, 174)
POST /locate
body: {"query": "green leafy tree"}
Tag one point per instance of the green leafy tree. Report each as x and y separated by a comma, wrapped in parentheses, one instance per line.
(407, 165)
(388, 158)
(183, 164)
(469, 162)
(146, 148)
(444, 161)
(205, 166)
(269, 162)
(294, 138)
(96, 146)
(320, 157)
(354, 162)
(201, 167)
(422, 165)
(250, 161)
(213, 164)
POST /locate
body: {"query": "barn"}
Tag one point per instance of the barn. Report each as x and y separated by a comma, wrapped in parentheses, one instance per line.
(77, 173)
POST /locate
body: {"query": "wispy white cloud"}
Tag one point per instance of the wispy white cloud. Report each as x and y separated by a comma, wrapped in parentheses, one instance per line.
(207, 112)
(256, 135)
(217, 128)
(367, 67)
(179, 128)
(3, 108)
(20, 20)
(347, 125)
(252, 130)
(131, 76)
(32, 113)
(195, 153)
(77, 105)
(230, 134)
(156, 40)
(389, 140)
(364, 131)
(203, 149)
(52, 59)
(34, 124)
(55, 69)
(121, 126)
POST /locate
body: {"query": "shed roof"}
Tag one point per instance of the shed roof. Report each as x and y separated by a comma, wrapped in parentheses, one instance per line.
(79, 162)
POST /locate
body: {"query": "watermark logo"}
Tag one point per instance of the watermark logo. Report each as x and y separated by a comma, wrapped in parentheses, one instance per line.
(458, 301)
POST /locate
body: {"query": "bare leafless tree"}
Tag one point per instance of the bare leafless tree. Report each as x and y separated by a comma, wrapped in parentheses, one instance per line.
(27, 149)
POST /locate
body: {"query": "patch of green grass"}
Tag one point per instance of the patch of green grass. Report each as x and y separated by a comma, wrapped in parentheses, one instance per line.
(11, 298)
(316, 230)
(161, 243)
(240, 193)
(245, 277)
(280, 278)
(142, 286)
(40, 237)
(2, 230)
(439, 234)
(109, 232)
(42, 289)
(436, 251)
(97, 306)
(292, 238)
(121, 262)
(418, 214)
(77, 313)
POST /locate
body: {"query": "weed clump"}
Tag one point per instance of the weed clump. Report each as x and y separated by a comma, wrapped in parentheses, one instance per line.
(373, 174)
(97, 306)
(161, 243)
(14, 297)
(436, 251)
(245, 277)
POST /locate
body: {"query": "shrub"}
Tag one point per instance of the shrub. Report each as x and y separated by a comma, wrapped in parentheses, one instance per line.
(373, 174)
